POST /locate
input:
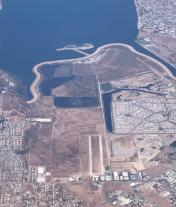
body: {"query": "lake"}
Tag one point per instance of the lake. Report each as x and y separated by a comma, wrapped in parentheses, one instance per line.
(32, 30)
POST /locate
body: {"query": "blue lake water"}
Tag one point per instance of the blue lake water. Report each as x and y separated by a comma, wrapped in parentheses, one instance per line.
(31, 30)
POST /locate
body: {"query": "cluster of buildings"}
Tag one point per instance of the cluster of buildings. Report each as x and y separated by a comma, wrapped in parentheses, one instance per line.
(142, 113)
(7, 83)
(127, 199)
(44, 192)
(11, 194)
(137, 193)
(165, 186)
(11, 143)
(50, 194)
(38, 174)
(39, 120)
(12, 134)
(156, 17)
(12, 164)
(118, 176)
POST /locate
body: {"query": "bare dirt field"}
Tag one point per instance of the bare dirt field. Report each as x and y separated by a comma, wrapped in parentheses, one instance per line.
(155, 198)
(86, 193)
(71, 130)
(63, 147)
(39, 146)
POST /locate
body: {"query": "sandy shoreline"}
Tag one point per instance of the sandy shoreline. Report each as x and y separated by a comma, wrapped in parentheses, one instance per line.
(38, 77)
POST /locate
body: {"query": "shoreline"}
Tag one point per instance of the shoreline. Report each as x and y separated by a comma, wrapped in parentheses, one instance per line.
(154, 53)
(34, 88)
